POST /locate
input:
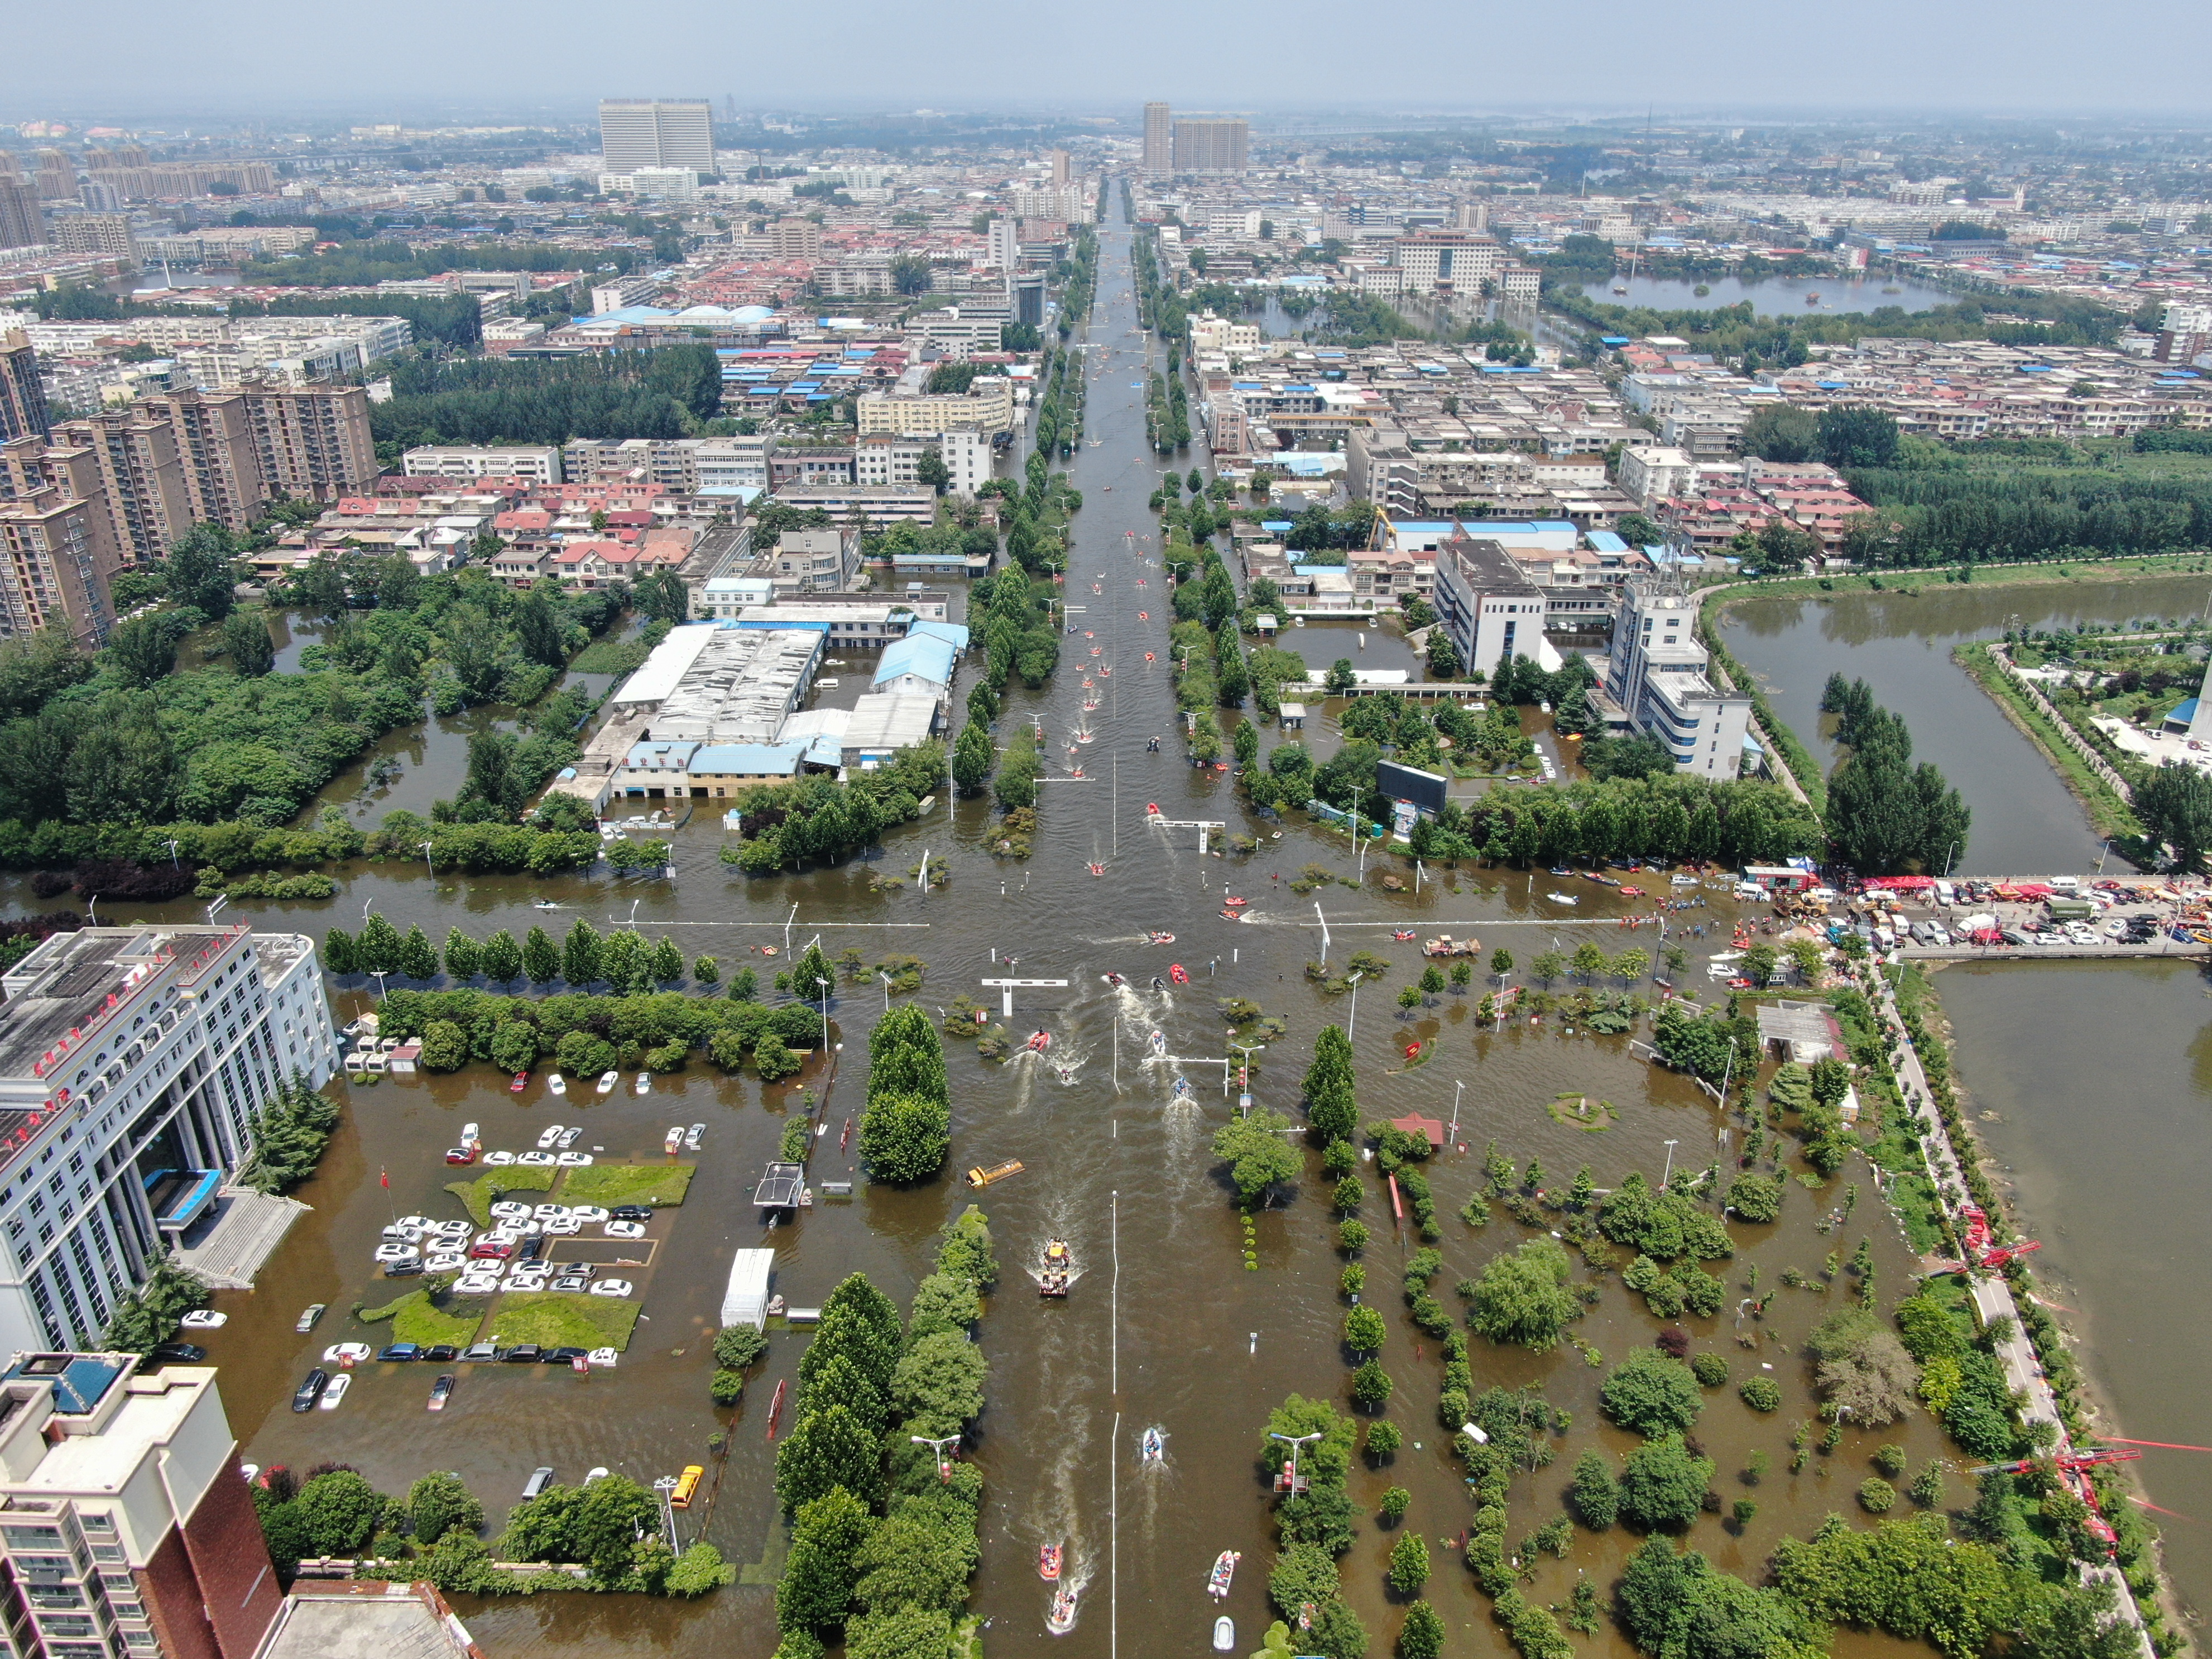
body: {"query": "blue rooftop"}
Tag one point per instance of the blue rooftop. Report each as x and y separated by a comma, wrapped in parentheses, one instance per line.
(1604, 541)
(768, 759)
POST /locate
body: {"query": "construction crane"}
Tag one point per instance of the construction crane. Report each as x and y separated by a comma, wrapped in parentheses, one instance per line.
(2073, 1469)
(1982, 1252)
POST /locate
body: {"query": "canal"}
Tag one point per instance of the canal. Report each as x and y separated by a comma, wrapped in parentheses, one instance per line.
(2025, 820)
(1201, 1346)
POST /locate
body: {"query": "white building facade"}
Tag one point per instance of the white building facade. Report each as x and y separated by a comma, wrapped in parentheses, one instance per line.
(131, 1060)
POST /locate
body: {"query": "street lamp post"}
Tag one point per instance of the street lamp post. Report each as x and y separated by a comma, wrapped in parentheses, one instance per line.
(1353, 1019)
(944, 1457)
(1458, 1088)
(824, 984)
(1290, 1469)
(365, 903)
(1670, 1165)
(886, 979)
(173, 863)
(426, 865)
(1244, 1078)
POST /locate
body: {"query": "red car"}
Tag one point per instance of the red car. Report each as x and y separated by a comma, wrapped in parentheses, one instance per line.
(521, 1082)
(491, 1249)
(461, 1154)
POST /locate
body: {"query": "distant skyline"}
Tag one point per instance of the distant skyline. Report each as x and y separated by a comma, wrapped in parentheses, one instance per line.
(409, 59)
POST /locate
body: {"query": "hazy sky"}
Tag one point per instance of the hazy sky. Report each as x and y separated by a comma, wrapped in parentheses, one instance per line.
(135, 58)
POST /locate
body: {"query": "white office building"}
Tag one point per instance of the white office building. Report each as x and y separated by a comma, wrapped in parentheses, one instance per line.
(130, 1061)
(540, 462)
(1657, 680)
(656, 132)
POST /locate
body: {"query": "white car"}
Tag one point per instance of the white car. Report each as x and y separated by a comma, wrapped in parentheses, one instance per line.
(338, 1352)
(400, 1230)
(568, 1136)
(604, 1356)
(537, 1160)
(562, 1226)
(625, 1229)
(575, 1160)
(445, 1261)
(552, 1211)
(449, 1229)
(204, 1319)
(499, 1159)
(419, 1223)
(397, 1252)
(612, 1287)
(552, 1133)
(469, 1134)
(476, 1284)
(508, 1210)
(588, 1212)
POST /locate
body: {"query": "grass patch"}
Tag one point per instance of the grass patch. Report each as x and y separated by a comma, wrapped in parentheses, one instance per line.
(416, 1317)
(611, 657)
(478, 1196)
(610, 1184)
(1576, 1111)
(563, 1320)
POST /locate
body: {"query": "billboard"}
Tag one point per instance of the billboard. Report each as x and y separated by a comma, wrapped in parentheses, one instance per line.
(1425, 790)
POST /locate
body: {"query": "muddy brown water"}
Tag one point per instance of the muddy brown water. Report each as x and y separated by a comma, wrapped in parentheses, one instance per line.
(1203, 1347)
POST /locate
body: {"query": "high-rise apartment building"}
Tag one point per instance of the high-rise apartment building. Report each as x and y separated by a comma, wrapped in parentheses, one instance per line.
(55, 179)
(106, 233)
(1209, 145)
(656, 132)
(50, 575)
(58, 539)
(141, 476)
(22, 224)
(1159, 140)
(313, 441)
(22, 395)
(219, 464)
(131, 1062)
(1060, 167)
(126, 1529)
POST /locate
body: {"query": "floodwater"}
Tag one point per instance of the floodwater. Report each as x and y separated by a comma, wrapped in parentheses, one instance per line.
(1772, 296)
(2025, 820)
(1164, 1311)
(2089, 1082)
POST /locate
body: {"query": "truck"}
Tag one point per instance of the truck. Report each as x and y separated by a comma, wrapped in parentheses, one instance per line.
(1443, 945)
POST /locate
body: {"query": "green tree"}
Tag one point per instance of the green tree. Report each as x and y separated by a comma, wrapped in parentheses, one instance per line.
(1524, 1296)
(1680, 1605)
(1409, 1564)
(580, 955)
(1663, 1485)
(247, 642)
(440, 1503)
(445, 1047)
(1258, 1153)
(340, 1510)
(827, 1448)
(503, 958)
(1422, 1636)
(464, 957)
(904, 1138)
(1651, 1393)
(1780, 432)
(418, 957)
(203, 571)
(972, 757)
(540, 957)
(1594, 1494)
(1857, 435)
(1364, 1330)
